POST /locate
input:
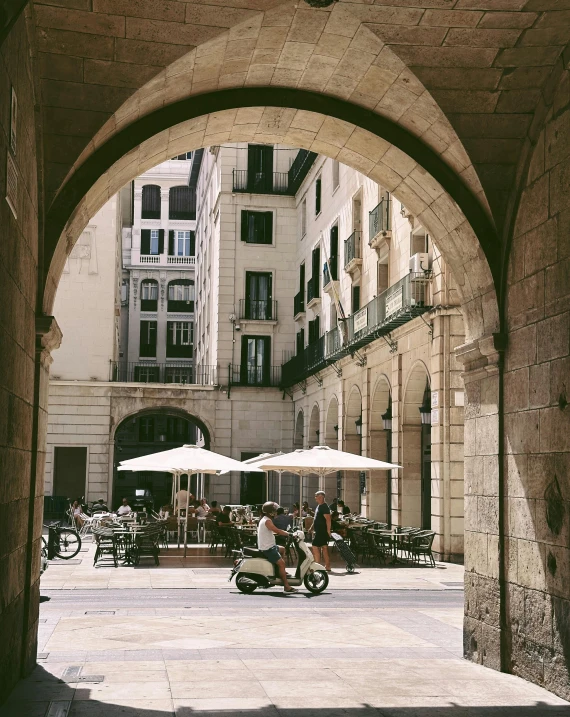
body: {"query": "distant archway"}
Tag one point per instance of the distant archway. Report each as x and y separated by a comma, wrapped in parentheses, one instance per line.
(353, 444)
(379, 483)
(415, 493)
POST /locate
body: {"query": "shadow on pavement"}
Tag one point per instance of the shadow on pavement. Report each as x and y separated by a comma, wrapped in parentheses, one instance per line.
(43, 694)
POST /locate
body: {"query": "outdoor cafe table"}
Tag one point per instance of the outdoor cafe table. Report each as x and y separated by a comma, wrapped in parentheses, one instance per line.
(128, 534)
(396, 538)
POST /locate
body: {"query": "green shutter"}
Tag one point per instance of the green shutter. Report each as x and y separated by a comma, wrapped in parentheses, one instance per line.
(268, 238)
(244, 215)
(171, 243)
(145, 241)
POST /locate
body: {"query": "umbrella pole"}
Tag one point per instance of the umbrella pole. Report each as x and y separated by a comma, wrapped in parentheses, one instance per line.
(266, 485)
(186, 518)
(279, 489)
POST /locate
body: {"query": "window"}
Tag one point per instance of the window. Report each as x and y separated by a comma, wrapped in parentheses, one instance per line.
(258, 290)
(147, 338)
(300, 341)
(259, 168)
(146, 430)
(177, 430)
(178, 374)
(149, 295)
(256, 227)
(183, 156)
(333, 259)
(383, 278)
(181, 243)
(152, 241)
(335, 174)
(181, 203)
(147, 374)
(255, 360)
(316, 270)
(125, 292)
(150, 202)
(355, 299)
(181, 295)
(318, 196)
(179, 339)
(303, 218)
(314, 329)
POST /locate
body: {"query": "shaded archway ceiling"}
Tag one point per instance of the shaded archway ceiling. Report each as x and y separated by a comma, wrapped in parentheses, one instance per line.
(486, 63)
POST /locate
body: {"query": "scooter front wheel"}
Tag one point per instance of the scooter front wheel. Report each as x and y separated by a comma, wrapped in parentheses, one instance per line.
(317, 581)
(245, 584)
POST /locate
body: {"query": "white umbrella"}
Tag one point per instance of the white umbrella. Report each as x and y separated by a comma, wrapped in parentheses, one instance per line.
(322, 460)
(259, 459)
(187, 459)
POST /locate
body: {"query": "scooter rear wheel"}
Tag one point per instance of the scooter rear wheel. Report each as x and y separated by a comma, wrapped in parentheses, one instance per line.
(245, 584)
(316, 582)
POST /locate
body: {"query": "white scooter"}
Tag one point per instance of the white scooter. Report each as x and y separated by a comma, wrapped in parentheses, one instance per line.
(254, 571)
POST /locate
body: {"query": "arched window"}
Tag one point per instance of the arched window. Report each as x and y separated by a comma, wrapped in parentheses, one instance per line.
(181, 203)
(149, 295)
(181, 295)
(150, 201)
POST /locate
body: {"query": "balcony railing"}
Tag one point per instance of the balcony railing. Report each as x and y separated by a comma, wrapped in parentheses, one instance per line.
(379, 219)
(312, 289)
(352, 248)
(180, 373)
(181, 260)
(331, 275)
(402, 302)
(298, 303)
(258, 309)
(260, 182)
(160, 259)
(246, 375)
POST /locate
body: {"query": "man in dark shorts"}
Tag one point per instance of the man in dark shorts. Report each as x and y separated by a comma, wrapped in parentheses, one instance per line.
(322, 531)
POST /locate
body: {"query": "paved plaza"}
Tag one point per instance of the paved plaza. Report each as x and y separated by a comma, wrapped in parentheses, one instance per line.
(180, 640)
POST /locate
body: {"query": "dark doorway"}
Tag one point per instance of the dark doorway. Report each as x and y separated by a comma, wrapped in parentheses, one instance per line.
(70, 471)
(259, 168)
(258, 295)
(252, 487)
(255, 360)
(426, 477)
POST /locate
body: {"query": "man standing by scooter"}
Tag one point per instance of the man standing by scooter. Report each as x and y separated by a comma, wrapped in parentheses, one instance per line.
(322, 529)
(266, 532)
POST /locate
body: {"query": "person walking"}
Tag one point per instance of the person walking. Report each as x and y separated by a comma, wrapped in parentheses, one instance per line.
(266, 532)
(322, 531)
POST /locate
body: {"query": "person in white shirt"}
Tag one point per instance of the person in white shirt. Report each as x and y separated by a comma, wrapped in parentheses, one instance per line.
(266, 532)
(124, 508)
(203, 509)
(180, 500)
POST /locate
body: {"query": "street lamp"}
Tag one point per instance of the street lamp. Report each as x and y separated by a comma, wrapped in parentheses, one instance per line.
(358, 424)
(387, 417)
(425, 408)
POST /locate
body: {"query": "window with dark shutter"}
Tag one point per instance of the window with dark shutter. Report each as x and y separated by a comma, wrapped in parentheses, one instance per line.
(149, 295)
(181, 203)
(150, 202)
(147, 346)
(145, 241)
(256, 227)
(333, 260)
(355, 299)
(318, 196)
(161, 241)
(171, 243)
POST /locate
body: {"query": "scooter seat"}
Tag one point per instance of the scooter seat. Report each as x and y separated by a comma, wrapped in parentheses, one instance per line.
(253, 553)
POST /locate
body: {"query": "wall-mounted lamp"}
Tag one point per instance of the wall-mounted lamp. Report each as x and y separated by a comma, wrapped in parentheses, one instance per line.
(425, 408)
(387, 418)
(318, 432)
(358, 424)
(335, 429)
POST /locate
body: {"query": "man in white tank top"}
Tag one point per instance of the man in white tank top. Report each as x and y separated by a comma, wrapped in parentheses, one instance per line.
(266, 532)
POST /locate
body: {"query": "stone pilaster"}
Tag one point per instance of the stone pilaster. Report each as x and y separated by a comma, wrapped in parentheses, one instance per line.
(48, 339)
(484, 600)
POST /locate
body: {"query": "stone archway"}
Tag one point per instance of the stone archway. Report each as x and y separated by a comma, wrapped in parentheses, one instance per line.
(413, 482)
(352, 444)
(313, 438)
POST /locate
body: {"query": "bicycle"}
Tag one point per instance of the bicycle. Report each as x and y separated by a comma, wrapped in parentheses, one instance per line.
(63, 542)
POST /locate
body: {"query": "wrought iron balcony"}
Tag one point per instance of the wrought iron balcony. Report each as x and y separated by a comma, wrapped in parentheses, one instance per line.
(179, 373)
(353, 251)
(247, 375)
(330, 271)
(380, 223)
(261, 182)
(313, 292)
(402, 302)
(299, 304)
(258, 309)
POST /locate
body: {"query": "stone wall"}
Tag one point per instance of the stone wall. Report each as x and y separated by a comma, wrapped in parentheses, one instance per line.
(22, 472)
(537, 417)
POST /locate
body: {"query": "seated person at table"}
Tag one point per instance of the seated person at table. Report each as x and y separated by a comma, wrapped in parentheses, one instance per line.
(281, 520)
(295, 512)
(266, 532)
(214, 508)
(99, 507)
(338, 526)
(203, 508)
(306, 510)
(76, 512)
(342, 508)
(124, 508)
(224, 518)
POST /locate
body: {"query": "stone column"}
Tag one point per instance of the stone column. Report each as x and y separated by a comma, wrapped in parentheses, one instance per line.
(48, 338)
(484, 564)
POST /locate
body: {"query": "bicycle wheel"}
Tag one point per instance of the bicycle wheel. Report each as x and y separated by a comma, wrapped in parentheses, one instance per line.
(69, 543)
